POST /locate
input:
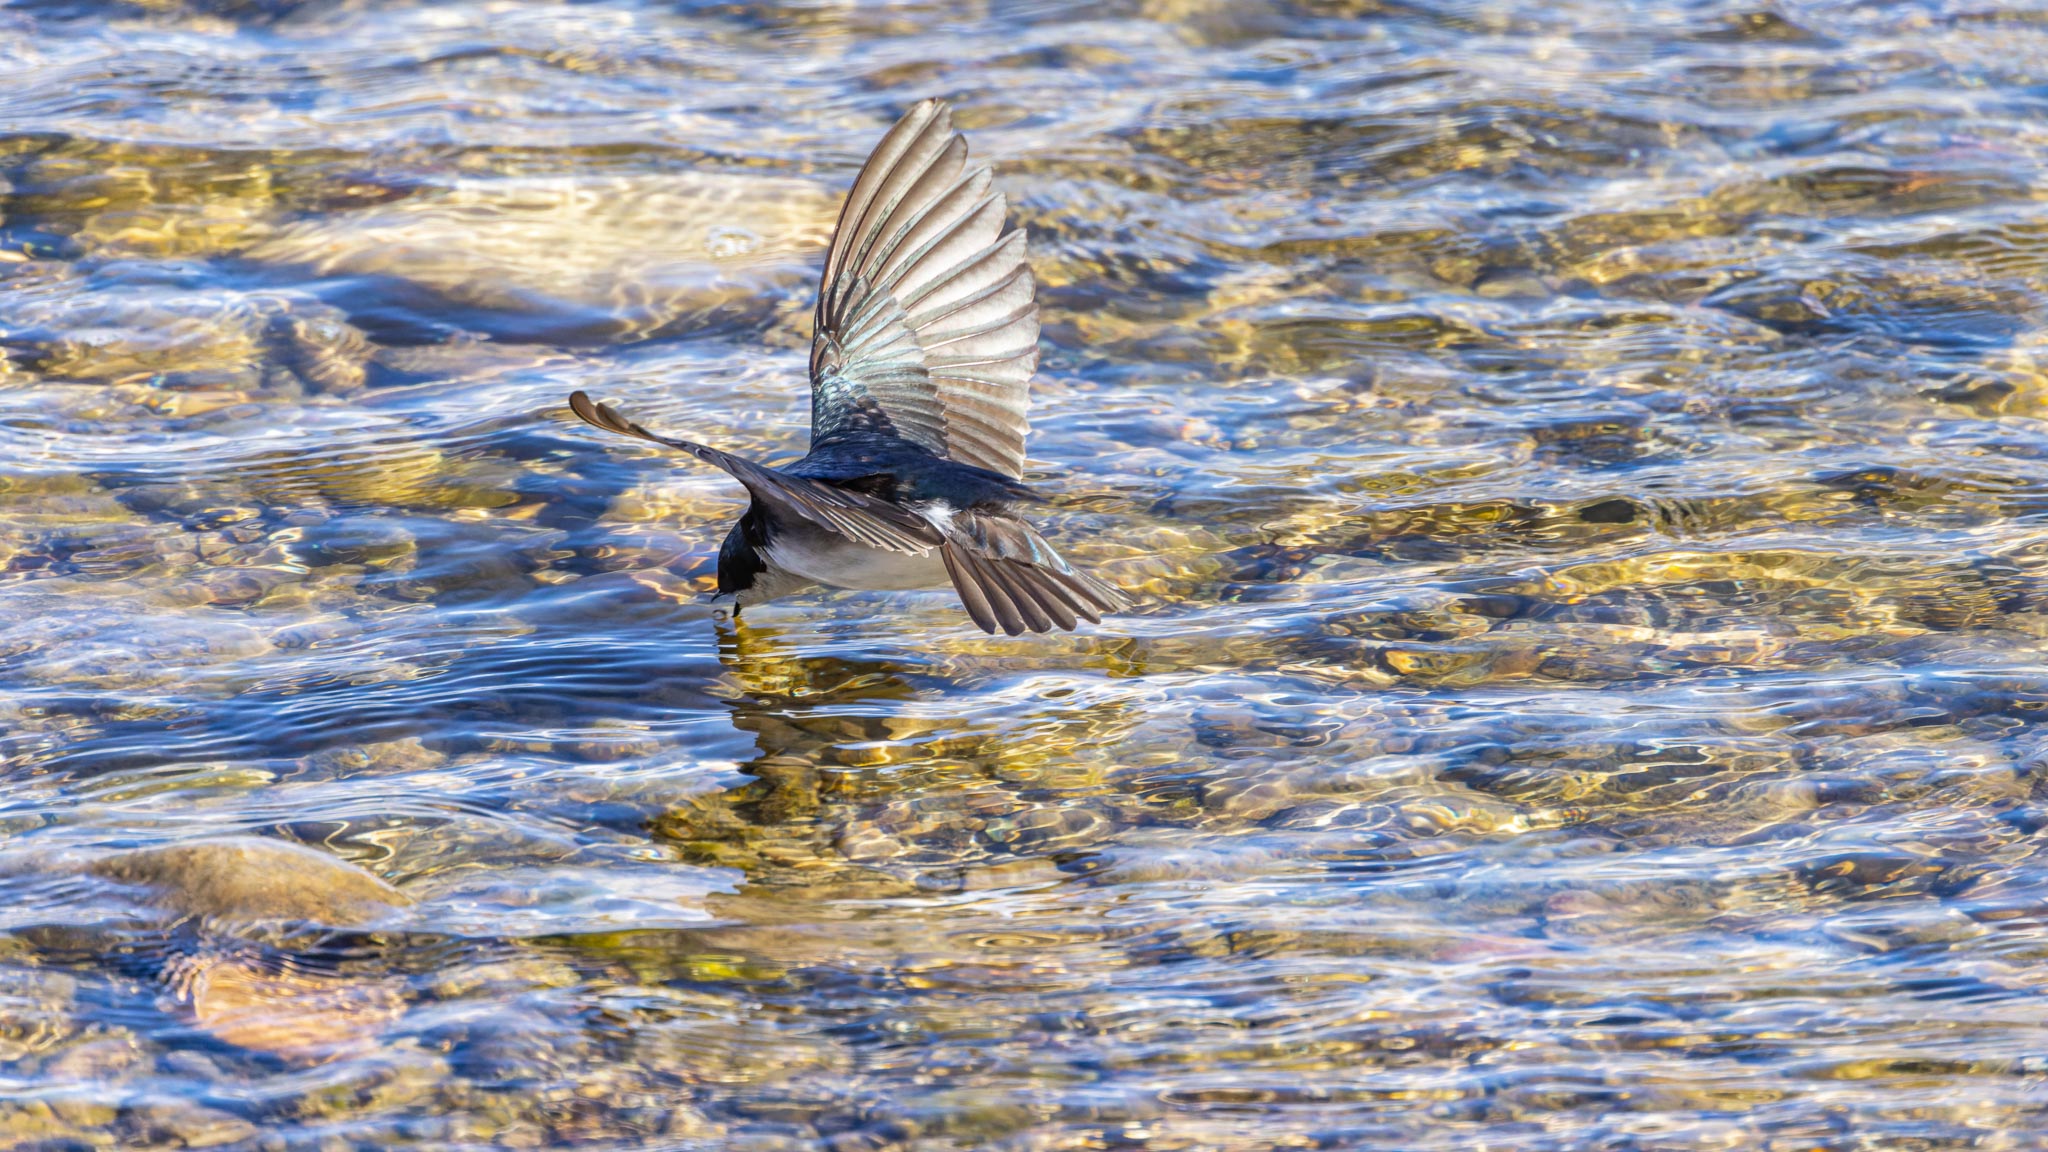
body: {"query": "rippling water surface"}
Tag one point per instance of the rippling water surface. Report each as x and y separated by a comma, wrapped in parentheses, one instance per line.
(1582, 466)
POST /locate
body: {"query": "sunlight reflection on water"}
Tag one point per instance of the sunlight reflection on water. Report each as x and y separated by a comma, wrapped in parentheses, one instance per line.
(1580, 466)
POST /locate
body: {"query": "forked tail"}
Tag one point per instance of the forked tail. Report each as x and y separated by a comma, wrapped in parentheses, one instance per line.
(1011, 580)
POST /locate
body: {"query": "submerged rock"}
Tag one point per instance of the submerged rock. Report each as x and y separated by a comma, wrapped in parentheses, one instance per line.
(36, 1010)
(576, 260)
(256, 997)
(282, 1010)
(251, 878)
(187, 350)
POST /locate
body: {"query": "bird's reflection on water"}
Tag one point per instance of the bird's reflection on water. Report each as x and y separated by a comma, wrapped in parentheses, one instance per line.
(864, 778)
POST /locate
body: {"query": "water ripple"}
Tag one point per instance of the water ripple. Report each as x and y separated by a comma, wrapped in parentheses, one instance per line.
(1577, 465)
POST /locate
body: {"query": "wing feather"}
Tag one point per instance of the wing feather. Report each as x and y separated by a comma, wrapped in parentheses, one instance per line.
(1008, 300)
(948, 253)
(880, 168)
(941, 179)
(961, 281)
(968, 196)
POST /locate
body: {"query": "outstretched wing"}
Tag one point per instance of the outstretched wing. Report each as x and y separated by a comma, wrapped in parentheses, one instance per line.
(862, 519)
(927, 322)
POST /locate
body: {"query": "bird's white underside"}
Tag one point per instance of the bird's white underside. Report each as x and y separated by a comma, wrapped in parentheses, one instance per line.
(827, 558)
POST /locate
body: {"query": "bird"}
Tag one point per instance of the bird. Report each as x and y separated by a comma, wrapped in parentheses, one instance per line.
(925, 338)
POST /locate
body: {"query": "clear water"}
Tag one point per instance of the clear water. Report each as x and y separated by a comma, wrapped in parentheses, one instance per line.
(1582, 465)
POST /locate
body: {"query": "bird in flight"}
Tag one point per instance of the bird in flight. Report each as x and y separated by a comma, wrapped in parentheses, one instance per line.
(926, 338)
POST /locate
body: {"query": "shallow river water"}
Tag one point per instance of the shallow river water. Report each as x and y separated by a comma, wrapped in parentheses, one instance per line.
(1582, 467)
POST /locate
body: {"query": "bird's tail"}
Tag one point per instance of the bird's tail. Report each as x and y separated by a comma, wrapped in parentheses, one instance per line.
(1011, 580)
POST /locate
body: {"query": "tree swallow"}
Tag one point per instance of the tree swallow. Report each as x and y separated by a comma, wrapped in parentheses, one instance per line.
(926, 337)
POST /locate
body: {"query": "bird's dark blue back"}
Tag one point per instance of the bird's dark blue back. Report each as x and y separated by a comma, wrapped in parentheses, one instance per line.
(906, 473)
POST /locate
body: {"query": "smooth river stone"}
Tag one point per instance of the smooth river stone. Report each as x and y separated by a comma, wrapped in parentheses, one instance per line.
(301, 1016)
(251, 878)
